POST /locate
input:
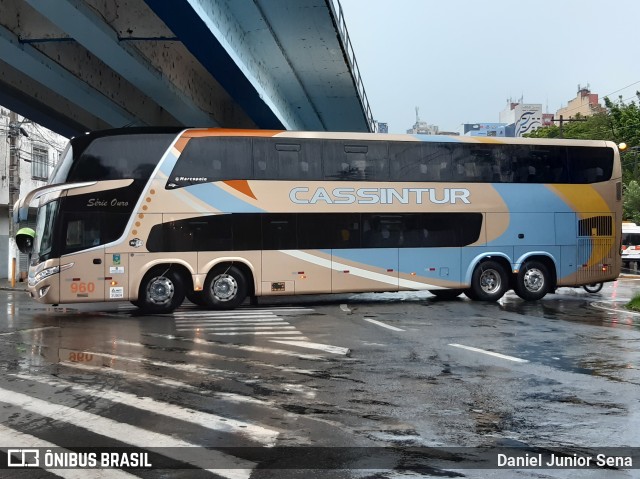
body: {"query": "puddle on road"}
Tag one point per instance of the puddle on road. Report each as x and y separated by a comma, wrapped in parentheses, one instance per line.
(579, 310)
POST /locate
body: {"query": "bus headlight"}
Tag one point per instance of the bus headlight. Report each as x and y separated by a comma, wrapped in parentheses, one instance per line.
(45, 273)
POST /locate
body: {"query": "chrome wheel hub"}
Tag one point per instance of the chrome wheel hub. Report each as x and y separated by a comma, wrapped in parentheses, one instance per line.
(224, 287)
(160, 290)
(533, 280)
(490, 281)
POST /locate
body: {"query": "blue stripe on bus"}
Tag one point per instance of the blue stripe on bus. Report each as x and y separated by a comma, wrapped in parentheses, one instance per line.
(168, 163)
(532, 198)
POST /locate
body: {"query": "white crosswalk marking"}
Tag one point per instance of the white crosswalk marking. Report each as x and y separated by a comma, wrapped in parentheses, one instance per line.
(132, 435)
(19, 439)
(256, 333)
(253, 322)
(253, 432)
(241, 347)
(239, 328)
(171, 383)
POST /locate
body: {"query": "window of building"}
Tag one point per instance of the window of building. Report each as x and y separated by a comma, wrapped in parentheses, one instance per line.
(39, 163)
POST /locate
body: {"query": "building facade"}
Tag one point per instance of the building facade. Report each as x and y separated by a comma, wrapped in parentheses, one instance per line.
(584, 104)
(521, 118)
(484, 129)
(28, 153)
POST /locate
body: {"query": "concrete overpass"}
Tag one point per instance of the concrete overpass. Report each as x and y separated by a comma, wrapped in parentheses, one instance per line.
(78, 65)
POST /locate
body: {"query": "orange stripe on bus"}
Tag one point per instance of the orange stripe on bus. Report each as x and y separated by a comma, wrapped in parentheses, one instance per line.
(242, 186)
(202, 132)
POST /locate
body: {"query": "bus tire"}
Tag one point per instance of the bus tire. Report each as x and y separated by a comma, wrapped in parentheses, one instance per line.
(532, 281)
(489, 282)
(593, 287)
(161, 291)
(197, 298)
(225, 288)
(446, 294)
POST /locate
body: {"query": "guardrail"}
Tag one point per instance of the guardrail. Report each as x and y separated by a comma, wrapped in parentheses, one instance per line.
(341, 25)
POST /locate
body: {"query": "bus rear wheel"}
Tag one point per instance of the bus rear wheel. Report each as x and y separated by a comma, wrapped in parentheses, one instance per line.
(161, 291)
(533, 281)
(225, 288)
(489, 282)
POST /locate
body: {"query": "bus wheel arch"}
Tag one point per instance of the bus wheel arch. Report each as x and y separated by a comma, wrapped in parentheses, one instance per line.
(490, 279)
(227, 285)
(162, 288)
(535, 278)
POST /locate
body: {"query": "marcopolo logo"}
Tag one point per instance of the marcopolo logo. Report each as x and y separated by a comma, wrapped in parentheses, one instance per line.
(384, 196)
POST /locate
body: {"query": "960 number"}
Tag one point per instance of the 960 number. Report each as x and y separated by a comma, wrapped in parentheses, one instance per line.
(80, 287)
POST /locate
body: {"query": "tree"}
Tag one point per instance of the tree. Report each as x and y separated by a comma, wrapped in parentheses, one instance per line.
(631, 202)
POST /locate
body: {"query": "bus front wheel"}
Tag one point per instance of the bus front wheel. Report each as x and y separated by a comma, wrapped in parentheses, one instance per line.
(533, 281)
(489, 282)
(225, 288)
(161, 291)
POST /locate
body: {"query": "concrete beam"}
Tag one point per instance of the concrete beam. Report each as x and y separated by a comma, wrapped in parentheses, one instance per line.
(88, 29)
(34, 64)
(209, 31)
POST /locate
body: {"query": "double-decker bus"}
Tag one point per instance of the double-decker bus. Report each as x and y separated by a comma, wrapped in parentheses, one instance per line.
(216, 216)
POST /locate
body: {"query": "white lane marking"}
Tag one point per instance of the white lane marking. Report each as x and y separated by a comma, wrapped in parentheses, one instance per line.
(21, 440)
(193, 317)
(241, 347)
(596, 304)
(230, 321)
(128, 434)
(29, 330)
(255, 333)
(298, 338)
(191, 368)
(228, 397)
(288, 369)
(234, 312)
(237, 328)
(392, 328)
(220, 357)
(207, 420)
(490, 353)
(322, 347)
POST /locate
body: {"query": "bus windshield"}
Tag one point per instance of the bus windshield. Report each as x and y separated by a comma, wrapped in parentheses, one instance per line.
(44, 230)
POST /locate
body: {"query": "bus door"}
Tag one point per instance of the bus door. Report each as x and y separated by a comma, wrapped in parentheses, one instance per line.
(84, 281)
(373, 266)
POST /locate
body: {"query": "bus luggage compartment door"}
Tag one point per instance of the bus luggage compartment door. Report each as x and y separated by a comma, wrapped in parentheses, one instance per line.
(295, 272)
(370, 269)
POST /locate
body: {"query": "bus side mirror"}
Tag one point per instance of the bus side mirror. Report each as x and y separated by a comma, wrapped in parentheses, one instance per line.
(24, 240)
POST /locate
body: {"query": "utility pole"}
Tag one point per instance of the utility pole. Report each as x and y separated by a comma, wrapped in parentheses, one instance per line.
(14, 187)
(561, 121)
(14, 167)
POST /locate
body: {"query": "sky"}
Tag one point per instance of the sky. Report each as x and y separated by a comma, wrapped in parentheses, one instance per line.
(460, 61)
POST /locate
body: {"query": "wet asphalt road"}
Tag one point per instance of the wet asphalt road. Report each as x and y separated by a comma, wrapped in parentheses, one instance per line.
(371, 370)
